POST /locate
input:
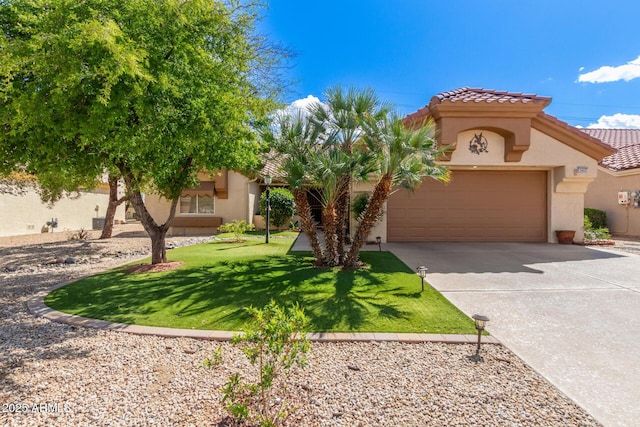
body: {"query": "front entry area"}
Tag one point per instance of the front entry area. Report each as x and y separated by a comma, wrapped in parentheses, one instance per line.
(476, 206)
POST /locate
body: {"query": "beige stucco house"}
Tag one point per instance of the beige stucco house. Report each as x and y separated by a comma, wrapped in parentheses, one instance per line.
(616, 189)
(24, 213)
(221, 197)
(518, 174)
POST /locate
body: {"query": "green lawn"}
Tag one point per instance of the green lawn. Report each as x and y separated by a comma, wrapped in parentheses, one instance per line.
(219, 279)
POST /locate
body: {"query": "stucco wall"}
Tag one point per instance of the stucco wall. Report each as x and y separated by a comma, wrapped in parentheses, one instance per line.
(253, 199)
(603, 194)
(236, 206)
(26, 214)
(381, 227)
(566, 183)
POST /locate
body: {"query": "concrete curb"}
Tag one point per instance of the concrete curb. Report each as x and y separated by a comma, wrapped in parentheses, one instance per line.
(38, 308)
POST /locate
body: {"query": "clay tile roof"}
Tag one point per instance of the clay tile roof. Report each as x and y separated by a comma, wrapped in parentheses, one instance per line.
(271, 167)
(477, 95)
(467, 94)
(626, 141)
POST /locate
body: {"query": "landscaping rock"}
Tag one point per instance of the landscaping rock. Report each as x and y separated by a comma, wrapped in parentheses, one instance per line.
(98, 377)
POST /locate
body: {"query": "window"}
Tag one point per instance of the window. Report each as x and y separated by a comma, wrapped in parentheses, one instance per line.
(196, 204)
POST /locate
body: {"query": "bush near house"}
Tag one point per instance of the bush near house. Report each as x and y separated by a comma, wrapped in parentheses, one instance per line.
(592, 233)
(597, 218)
(283, 206)
(238, 228)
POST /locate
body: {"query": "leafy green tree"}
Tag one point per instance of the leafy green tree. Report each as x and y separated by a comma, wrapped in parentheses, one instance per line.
(155, 91)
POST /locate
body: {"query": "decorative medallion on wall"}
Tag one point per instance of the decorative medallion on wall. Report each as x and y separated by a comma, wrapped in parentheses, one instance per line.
(479, 144)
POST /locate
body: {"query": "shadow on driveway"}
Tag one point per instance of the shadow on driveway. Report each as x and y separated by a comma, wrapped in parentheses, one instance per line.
(461, 257)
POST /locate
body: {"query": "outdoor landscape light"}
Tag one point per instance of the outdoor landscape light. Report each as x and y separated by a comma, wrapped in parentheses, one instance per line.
(422, 272)
(268, 180)
(481, 322)
(379, 242)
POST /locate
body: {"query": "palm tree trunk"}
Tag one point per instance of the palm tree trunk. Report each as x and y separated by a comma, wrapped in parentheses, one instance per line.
(369, 219)
(329, 220)
(342, 216)
(308, 224)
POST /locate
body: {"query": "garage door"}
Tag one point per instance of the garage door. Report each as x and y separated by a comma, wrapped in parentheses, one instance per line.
(476, 206)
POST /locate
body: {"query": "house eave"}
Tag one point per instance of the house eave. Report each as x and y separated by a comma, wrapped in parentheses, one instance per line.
(571, 136)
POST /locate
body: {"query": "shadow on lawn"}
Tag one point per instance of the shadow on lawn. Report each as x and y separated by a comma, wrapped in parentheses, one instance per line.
(226, 287)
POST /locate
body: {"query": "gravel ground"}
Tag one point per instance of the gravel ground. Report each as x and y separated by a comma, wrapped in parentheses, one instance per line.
(67, 376)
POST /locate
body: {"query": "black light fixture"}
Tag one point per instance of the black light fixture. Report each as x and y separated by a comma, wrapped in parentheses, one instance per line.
(481, 322)
(422, 272)
(268, 180)
(379, 242)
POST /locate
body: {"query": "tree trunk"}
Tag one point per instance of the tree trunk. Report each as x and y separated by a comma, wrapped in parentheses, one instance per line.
(369, 219)
(114, 202)
(156, 232)
(308, 224)
(158, 245)
(342, 217)
(329, 220)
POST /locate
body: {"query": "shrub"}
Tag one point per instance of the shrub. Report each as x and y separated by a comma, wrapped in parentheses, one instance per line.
(81, 234)
(597, 217)
(237, 227)
(276, 344)
(592, 233)
(283, 206)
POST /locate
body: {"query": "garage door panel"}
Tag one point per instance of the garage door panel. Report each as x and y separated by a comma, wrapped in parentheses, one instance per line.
(475, 206)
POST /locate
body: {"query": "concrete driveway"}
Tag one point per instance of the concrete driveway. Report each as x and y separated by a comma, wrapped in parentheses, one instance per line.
(570, 312)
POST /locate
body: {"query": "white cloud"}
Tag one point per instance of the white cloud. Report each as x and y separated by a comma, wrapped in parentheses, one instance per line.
(304, 102)
(301, 105)
(617, 121)
(607, 73)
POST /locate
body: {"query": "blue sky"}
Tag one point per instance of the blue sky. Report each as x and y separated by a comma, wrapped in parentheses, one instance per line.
(579, 52)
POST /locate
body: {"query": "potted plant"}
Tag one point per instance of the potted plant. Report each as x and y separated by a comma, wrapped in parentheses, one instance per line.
(565, 237)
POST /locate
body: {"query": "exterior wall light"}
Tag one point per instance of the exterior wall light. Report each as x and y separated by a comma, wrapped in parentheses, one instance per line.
(379, 242)
(422, 272)
(268, 180)
(481, 322)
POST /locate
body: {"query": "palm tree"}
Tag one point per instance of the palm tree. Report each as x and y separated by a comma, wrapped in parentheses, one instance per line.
(293, 138)
(327, 168)
(350, 138)
(341, 117)
(406, 156)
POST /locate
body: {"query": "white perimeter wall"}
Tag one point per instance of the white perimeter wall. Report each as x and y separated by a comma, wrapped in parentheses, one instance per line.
(26, 214)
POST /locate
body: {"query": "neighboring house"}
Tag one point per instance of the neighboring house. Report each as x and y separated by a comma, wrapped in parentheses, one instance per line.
(221, 197)
(25, 213)
(618, 173)
(518, 174)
